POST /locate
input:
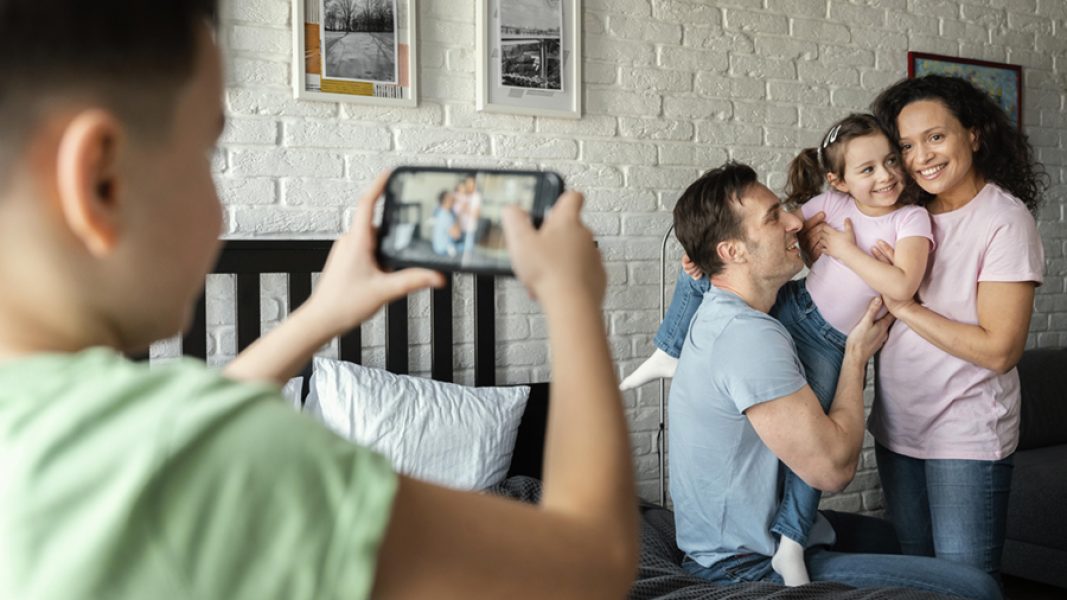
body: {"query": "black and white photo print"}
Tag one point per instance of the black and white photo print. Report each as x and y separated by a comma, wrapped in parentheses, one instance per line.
(359, 40)
(530, 33)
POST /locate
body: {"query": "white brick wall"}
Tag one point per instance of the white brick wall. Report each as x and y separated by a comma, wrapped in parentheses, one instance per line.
(672, 87)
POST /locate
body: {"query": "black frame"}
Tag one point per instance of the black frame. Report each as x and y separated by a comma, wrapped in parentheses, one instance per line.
(299, 259)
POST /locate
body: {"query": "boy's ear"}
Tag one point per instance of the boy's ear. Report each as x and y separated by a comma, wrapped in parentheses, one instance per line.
(87, 179)
(837, 183)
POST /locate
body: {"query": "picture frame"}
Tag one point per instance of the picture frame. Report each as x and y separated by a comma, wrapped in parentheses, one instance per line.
(361, 61)
(529, 57)
(1003, 82)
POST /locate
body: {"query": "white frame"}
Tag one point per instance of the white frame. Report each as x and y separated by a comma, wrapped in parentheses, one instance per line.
(300, 90)
(569, 102)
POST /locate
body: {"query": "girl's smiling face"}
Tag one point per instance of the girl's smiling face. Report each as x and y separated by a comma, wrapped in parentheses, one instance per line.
(871, 175)
(938, 151)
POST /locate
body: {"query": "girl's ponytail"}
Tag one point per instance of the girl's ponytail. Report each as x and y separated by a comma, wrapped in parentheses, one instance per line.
(806, 177)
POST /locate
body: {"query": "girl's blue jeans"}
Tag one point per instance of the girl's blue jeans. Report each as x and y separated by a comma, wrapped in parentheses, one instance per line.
(820, 347)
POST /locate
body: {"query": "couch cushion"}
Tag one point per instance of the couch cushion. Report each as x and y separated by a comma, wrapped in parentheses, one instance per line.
(1038, 495)
(1043, 377)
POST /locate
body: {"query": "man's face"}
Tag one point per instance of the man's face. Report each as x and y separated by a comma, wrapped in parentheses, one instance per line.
(770, 236)
(177, 217)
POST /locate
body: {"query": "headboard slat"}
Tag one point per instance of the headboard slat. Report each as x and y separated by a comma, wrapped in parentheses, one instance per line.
(299, 289)
(484, 331)
(441, 332)
(396, 336)
(248, 314)
(194, 342)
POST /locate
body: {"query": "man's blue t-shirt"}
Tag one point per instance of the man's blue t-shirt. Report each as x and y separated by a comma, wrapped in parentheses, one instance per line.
(724, 480)
(443, 243)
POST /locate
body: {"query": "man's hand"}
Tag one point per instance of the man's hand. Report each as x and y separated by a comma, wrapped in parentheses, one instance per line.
(352, 286)
(691, 269)
(809, 237)
(560, 259)
(869, 334)
(833, 242)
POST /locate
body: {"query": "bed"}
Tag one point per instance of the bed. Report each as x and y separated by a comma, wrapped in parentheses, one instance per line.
(660, 574)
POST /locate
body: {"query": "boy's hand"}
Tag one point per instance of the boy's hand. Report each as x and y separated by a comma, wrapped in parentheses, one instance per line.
(560, 259)
(352, 286)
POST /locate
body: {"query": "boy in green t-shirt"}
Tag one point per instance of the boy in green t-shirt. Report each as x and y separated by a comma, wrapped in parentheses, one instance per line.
(120, 481)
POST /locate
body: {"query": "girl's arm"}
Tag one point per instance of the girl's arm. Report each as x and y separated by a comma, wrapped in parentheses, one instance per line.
(995, 343)
(896, 280)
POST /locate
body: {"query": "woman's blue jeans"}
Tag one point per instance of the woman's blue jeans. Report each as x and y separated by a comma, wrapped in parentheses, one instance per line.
(951, 509)
(820, 347)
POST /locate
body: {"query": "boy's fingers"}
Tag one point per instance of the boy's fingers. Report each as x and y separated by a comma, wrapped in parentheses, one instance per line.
(364, 214)
(404, 282)
(517, 227)
(569, 205)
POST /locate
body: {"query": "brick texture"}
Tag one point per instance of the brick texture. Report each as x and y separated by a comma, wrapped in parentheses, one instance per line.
(672, 87)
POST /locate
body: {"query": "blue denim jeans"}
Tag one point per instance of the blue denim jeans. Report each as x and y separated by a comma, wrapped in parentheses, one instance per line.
(951, 509)
(820, 347)
(864, 556)
(860, 571)
(685, 301)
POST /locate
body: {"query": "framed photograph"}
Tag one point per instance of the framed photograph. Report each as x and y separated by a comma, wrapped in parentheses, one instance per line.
(355, 51)
(529, 58)
(1001, 81)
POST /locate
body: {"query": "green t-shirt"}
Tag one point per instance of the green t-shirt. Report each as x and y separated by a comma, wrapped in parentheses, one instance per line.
(122, 481)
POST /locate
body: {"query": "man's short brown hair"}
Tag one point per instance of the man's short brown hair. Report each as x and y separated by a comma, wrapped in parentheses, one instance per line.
(706, 213)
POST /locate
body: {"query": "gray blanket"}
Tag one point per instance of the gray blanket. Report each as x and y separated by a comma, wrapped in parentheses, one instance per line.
(660, 575)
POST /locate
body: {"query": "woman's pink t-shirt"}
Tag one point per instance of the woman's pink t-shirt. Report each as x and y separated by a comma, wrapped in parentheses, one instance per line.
(840, 295)
(930, 404)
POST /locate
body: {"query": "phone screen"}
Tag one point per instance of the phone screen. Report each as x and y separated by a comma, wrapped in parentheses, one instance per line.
(451, 219)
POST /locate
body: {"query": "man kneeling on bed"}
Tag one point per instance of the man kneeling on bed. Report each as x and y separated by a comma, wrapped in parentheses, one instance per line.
(740, 404)
(119, 481)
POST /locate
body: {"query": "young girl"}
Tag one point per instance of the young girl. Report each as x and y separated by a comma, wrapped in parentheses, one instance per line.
(864, 205)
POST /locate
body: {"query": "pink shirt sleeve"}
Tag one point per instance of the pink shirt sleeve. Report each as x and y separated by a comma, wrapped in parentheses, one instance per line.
(822, 202)
(1015, 252)
(915, 222)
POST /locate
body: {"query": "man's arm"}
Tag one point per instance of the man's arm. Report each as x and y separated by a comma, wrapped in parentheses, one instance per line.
(581, 541)
(823, 449)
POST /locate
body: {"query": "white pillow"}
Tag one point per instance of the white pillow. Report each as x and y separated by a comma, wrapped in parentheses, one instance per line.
(291, 391)
(453, 435)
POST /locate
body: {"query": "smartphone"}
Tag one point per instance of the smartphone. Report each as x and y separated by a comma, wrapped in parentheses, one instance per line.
(450, 219)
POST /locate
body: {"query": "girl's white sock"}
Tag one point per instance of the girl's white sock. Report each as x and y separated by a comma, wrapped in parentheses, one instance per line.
(659, 365)
(788, 561)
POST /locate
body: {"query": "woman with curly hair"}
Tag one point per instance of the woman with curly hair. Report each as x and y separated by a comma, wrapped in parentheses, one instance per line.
(946, 413)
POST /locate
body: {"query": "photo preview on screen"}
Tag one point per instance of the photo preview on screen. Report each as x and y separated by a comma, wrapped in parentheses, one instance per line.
(452, 219)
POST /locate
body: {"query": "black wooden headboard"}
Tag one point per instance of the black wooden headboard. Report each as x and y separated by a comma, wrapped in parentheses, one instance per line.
(299, 259)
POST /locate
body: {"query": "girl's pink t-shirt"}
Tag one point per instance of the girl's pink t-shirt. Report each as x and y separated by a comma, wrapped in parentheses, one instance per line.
(928, 403)
(840, 295)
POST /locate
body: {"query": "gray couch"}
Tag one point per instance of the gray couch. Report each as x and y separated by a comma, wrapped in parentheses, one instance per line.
(1036, 543)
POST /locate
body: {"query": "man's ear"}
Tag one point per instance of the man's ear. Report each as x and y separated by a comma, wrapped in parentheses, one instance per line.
(837, 183)
(87, 179)
(730, 251)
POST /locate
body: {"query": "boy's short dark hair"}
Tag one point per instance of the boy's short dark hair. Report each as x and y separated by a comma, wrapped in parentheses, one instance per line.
(705, 213)
(130, 56)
